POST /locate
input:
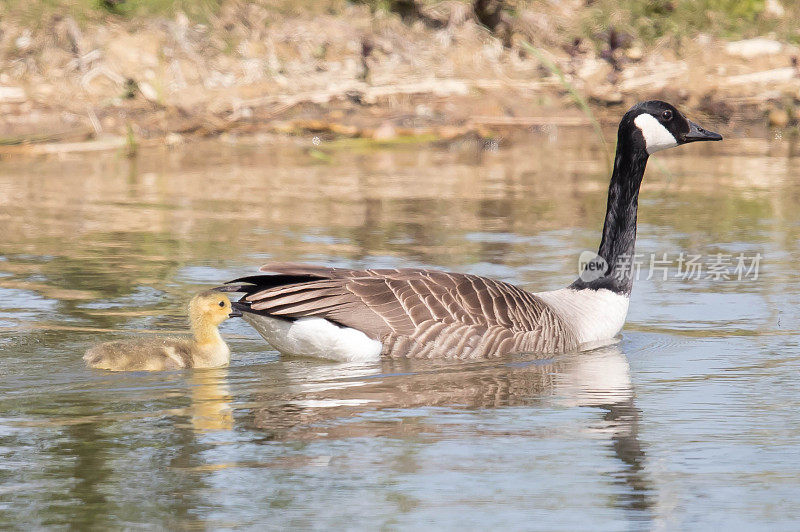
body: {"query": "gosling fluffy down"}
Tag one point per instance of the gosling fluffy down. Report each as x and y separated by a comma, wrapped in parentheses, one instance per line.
(206, 349)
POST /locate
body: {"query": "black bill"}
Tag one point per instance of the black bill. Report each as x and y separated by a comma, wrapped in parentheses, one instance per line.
(697, 133)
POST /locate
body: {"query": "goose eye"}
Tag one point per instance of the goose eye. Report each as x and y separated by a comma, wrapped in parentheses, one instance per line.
(666, 115)
(221, 303)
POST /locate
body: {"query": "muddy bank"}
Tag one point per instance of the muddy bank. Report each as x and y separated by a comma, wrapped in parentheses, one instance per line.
(358, 72)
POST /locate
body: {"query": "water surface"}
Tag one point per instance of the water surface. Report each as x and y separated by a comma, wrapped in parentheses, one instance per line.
(691, 421)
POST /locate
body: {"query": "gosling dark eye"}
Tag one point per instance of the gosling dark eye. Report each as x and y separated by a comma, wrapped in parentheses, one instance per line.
(666, 116)
(221, 303)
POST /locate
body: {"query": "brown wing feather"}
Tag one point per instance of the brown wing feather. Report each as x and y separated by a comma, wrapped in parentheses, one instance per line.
(417, 312)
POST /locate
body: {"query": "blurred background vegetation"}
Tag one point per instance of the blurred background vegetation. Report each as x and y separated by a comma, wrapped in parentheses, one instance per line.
(654, 19)
(381, 69)
(647, 19)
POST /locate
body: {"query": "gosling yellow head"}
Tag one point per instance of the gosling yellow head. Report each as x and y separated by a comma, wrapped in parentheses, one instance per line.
(210, 308)
(206, 349)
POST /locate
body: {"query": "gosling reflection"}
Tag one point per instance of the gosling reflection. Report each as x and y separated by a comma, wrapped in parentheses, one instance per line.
(211, 400)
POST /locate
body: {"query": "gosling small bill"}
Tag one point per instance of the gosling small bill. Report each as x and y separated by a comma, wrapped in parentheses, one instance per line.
(206, 349)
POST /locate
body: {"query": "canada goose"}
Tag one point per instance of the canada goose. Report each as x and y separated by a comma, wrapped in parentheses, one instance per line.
(206, 349)
(359, 315)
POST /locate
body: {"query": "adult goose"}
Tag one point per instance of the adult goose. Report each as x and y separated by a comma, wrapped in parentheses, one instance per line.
(361, 315)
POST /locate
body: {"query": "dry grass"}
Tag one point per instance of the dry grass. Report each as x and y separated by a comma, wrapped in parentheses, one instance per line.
(211, 66)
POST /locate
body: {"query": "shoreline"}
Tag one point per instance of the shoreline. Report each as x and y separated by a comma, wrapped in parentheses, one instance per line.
(360, 74)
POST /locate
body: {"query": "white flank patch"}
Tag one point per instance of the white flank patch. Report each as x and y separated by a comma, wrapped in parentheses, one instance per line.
(316, 337)
(656, 136)
(596, 316)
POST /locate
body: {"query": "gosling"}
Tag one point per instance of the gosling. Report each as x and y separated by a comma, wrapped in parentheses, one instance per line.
(206, 349)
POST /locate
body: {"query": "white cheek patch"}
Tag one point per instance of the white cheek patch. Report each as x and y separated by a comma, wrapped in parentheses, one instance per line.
(656, 136)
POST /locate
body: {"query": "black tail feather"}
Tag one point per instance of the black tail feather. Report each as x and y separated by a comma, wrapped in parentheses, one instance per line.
(241, 306)
(256, 283)
(244, 307)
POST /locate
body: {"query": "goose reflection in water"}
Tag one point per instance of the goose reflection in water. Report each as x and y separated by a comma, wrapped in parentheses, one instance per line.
(334, 402)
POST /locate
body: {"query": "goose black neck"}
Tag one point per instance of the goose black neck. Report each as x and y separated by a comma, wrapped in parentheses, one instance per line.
(619, 230)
